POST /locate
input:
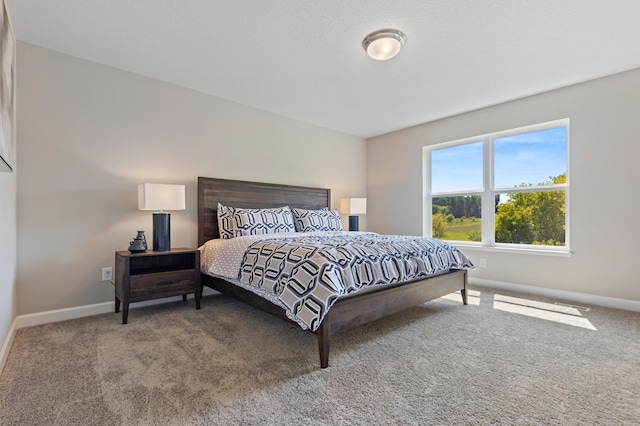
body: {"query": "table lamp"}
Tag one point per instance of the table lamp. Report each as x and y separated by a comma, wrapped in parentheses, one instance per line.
(353, 207)
(161, 197)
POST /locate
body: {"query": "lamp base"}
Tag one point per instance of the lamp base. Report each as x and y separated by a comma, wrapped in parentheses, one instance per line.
(161, 231)
(353, 223)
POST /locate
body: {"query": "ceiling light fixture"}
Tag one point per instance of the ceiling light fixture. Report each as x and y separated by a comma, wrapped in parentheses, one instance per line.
(383, 44)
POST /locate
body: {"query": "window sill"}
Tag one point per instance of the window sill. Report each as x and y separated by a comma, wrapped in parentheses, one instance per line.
(513, 250)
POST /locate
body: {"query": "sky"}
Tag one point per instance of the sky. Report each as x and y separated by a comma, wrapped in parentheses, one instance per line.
(525, 158)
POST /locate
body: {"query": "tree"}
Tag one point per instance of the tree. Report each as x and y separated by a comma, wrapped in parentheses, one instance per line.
(514, 224)
(458, 206)
(439, 209)
(439, 225)
(533, 217)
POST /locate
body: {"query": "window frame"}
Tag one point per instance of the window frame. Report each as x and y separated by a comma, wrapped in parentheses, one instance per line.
(488, 192)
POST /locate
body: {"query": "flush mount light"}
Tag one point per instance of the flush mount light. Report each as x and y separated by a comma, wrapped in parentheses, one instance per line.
(383, 44)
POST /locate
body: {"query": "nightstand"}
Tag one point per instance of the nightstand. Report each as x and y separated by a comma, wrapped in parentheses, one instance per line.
(156, 274)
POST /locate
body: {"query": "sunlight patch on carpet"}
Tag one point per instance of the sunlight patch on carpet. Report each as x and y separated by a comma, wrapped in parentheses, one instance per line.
(551, 312)
(473, 297)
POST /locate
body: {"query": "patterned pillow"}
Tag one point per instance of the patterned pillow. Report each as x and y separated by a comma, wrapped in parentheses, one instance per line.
(317, 220)
(225, 221)
(262, 221)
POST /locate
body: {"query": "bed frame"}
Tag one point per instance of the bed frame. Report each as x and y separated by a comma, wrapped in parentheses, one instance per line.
(348, 311)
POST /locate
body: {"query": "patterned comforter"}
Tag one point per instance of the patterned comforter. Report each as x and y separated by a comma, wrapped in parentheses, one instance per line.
(306, 273)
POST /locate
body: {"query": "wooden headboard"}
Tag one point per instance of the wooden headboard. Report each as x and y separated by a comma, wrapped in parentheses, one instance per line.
(252, 195)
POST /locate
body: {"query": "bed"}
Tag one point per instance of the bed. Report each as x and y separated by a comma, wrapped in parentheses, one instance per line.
(347, 311)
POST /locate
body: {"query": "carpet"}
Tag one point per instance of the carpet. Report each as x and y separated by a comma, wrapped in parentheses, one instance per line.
(503, 359)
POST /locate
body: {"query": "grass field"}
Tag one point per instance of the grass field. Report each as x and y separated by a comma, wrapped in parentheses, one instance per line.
(459, 229)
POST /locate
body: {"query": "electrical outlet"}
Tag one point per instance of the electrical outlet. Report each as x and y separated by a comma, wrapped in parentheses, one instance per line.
(483, 263)
(107, 274)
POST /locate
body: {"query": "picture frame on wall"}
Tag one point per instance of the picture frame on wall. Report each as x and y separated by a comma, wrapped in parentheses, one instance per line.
(7, 91)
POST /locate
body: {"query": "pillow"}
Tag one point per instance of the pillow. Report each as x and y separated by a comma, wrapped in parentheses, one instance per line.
(317, 220)
(262, 221)
(225, 221)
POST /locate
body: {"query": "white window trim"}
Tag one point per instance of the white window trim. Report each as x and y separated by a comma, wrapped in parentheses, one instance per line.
(488, 192)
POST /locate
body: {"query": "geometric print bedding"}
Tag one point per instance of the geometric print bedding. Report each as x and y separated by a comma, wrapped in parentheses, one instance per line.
(316, 220)
(236, 222)
(262, 221)
(308, 273)
(225, 222)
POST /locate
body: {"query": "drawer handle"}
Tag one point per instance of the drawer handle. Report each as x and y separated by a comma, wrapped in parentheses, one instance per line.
(161, 283)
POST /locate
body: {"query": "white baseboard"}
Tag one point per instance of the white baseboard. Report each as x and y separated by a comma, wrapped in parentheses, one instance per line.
(47, 317)
(584, 298)
(6, 346)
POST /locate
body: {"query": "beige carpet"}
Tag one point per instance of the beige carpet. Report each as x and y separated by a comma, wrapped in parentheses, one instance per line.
(439, 363)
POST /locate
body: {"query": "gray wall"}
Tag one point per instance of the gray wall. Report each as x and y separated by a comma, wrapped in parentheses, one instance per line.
(604, 152)
(8, 249)
(89, 134)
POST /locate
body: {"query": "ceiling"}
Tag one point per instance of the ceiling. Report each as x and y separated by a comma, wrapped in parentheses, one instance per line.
(304, 59)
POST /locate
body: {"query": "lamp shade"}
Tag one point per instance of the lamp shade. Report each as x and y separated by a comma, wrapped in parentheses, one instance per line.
(353, 206)
(159, 197)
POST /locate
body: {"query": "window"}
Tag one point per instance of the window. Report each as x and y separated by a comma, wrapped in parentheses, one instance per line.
(507, 189)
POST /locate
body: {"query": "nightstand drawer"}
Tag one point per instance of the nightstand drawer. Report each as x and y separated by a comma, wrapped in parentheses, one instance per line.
(162, 283)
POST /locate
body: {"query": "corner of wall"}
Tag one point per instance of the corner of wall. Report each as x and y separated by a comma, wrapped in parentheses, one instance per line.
(6, 345)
